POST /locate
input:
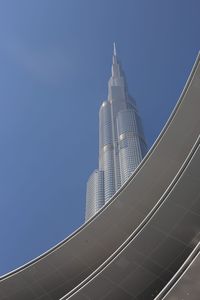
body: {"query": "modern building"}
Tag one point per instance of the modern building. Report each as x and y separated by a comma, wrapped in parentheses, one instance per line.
(143, 244)
(121, 142)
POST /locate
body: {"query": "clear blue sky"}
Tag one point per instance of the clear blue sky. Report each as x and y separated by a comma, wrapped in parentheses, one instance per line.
(55, 59)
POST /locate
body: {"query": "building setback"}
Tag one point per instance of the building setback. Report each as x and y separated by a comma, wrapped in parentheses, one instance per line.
(121, 142)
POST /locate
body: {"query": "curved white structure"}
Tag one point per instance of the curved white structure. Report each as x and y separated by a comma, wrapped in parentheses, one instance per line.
(134, 245)
(147, 260)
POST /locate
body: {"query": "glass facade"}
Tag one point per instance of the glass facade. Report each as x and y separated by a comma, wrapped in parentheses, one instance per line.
(95, 193)
(121, 142)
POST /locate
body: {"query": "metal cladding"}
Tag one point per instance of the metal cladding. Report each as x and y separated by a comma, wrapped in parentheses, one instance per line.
(121, 140)
(144, 243)
(131, 143)
(95, 196)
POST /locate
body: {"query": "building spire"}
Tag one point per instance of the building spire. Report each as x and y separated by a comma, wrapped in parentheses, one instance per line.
(115, 63)
(114, 49)
(117, 77)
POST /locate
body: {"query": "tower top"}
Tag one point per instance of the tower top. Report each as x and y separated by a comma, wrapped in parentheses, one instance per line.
(115, 64)
(114, 49)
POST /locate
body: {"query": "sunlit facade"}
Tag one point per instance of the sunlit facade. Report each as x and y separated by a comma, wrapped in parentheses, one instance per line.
(121, 142)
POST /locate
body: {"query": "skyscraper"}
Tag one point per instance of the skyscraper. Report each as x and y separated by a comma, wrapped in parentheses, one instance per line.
(121, 142)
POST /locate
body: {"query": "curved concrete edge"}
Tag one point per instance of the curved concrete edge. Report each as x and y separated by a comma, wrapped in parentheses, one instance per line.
(146, 222)
(186, 266)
